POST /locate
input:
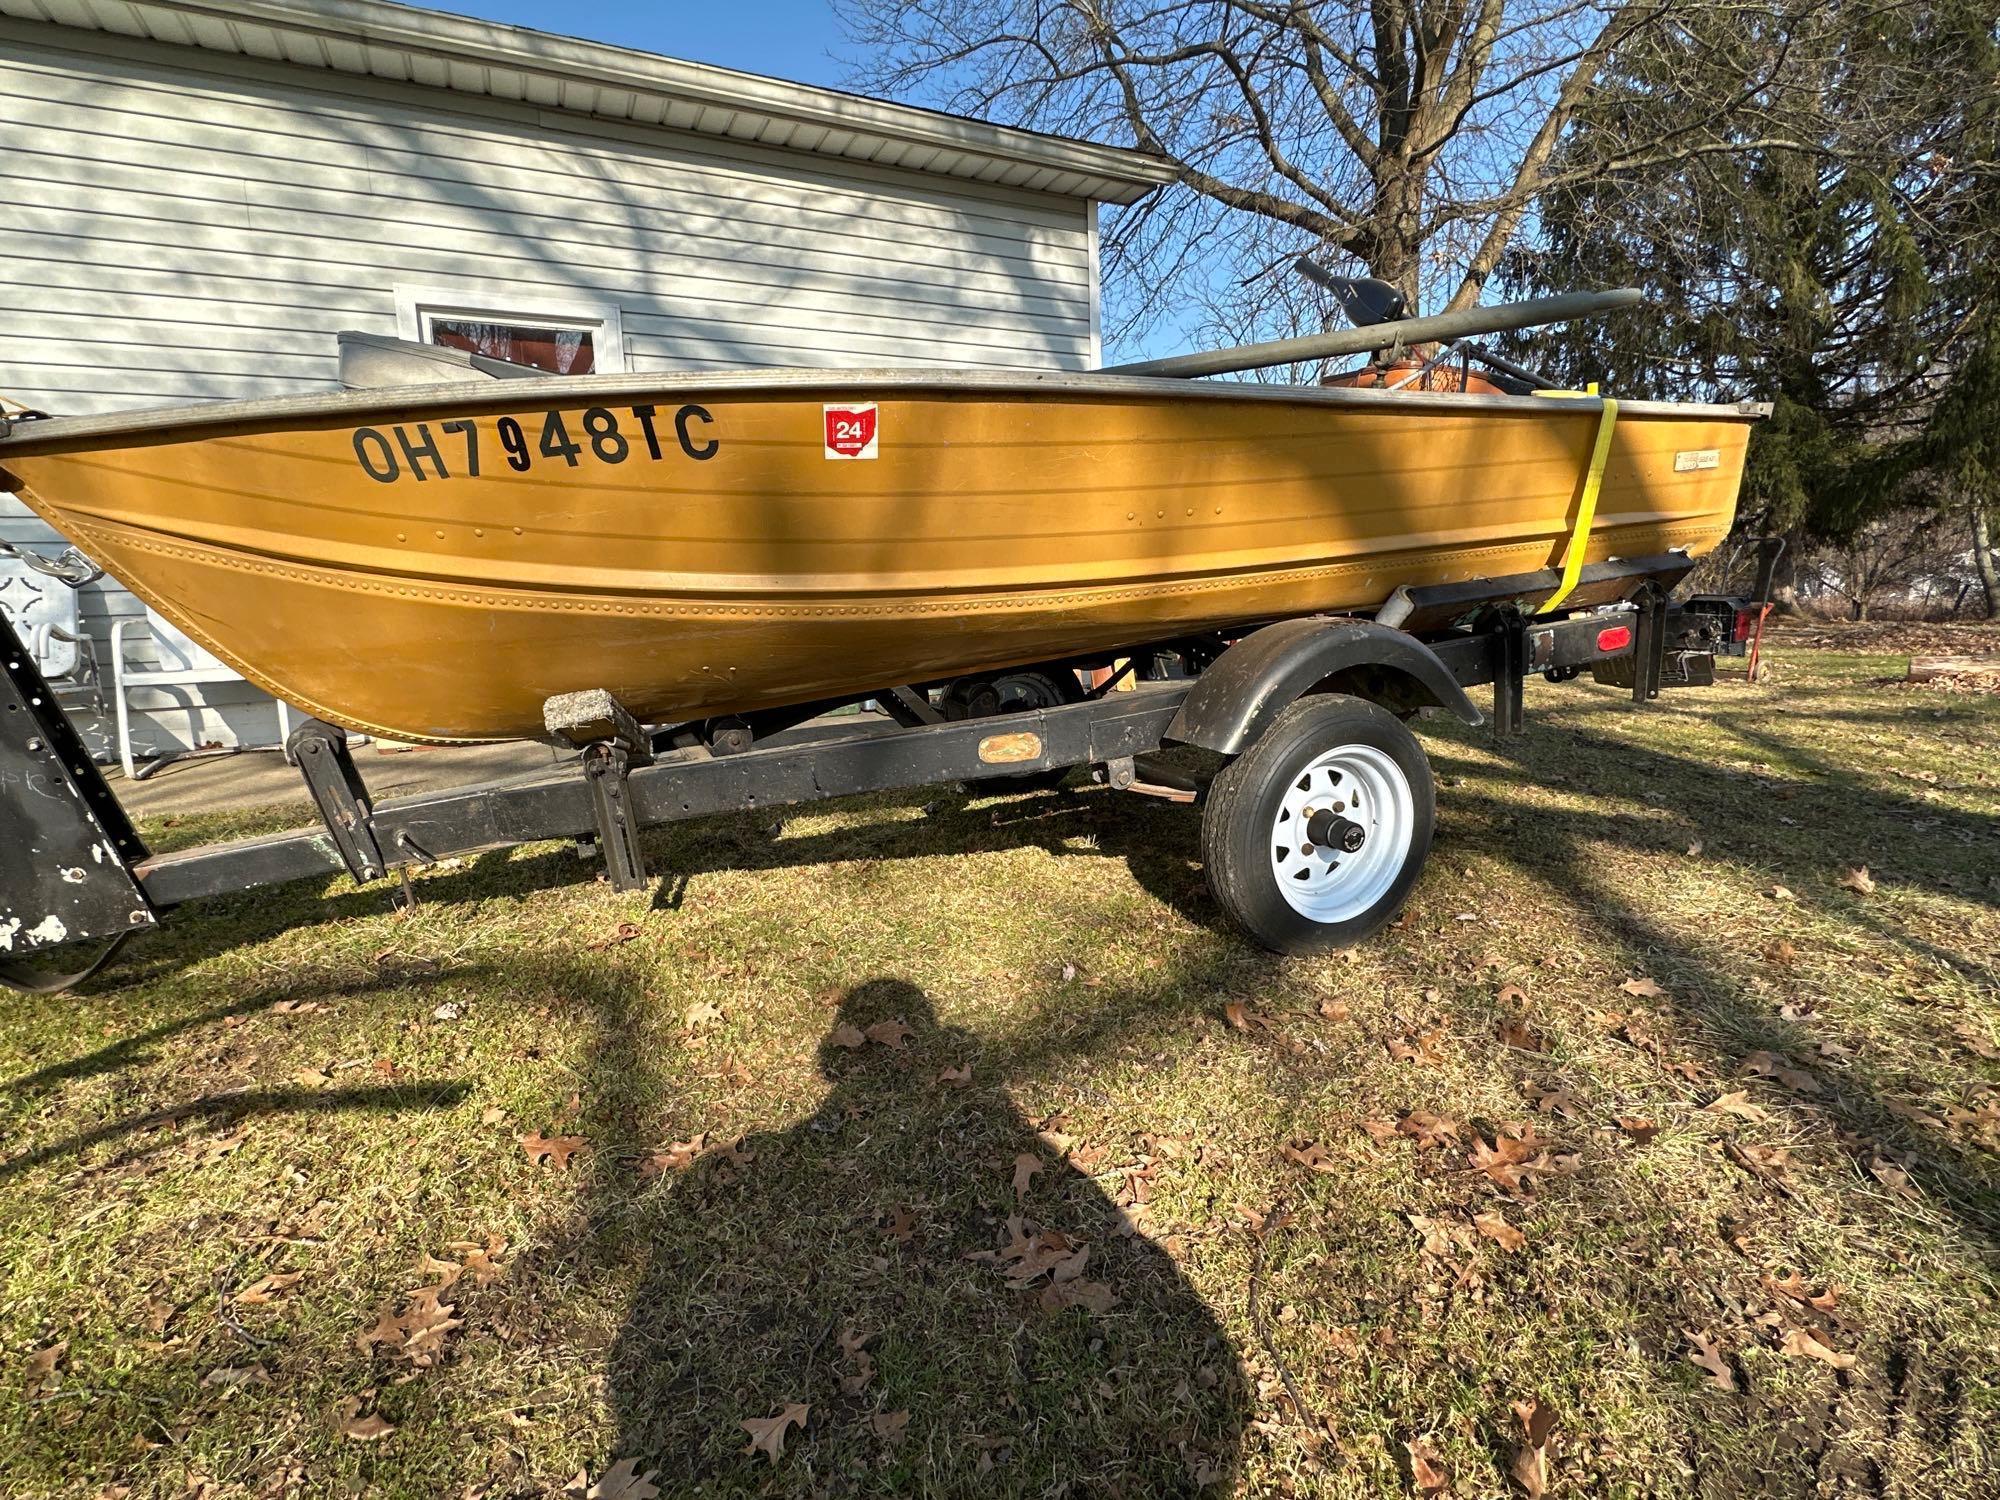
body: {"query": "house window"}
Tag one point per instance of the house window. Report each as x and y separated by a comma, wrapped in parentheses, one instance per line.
(560, 351)
(562, 337)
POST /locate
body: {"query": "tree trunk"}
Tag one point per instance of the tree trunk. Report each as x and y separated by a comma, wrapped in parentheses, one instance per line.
(1395, 251)
(1982, 558)
(1785, 577)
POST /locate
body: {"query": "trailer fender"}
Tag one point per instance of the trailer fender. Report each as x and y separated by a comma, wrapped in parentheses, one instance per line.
(1259, 677)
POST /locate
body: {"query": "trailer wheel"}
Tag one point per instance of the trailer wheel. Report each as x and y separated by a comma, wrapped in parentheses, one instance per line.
(1313, 836)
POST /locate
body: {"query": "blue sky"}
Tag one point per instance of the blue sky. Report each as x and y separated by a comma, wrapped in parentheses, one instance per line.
(784, 38)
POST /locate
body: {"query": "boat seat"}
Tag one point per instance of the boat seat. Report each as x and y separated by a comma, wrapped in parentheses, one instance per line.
(369, 361)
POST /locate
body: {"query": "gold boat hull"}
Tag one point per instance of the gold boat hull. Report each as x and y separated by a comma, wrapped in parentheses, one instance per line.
(432, 564)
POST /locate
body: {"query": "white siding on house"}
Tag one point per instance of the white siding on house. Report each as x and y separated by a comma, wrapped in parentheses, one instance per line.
(178, 226)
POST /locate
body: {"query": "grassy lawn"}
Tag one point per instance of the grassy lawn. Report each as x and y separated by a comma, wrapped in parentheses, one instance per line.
(949, 1143)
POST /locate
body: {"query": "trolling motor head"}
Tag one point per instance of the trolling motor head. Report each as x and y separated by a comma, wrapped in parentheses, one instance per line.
(1364, 299)
(1368, 300)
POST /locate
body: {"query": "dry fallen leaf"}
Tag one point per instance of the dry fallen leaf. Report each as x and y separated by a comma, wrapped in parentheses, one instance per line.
(1308, 1154)
(1644, 988)
(1800, 1344)
(1858, 880)
(702, 1013)
(1092, 1296)
(672, 1157)
(1495, 1227)
(957, 1077)
(1422, 1050)
(1243, 1018)
(767, 1434)
(1766, 1163)
(1333, 1010)
(1440, 1235)
(1976, 1041)
(418, 1333)
(1427, 1129)
(267, 1288)
(1737, 1104)
(231, 1378)
(554, 1150)
(1780, 893)
(1794, 1286)
(889, 1426)
(861, 1371)
(1510, 1157)
(41, 1367)
(626, 931)
(623, 1481)
(846, 1036)
(369, 1429)
(1426, 1472)
(891, 1034)
(225, 1145)
(1776, 1066)
(1708, 1357)
(1893, 1177)
(482, 1262)
(1026, 1165)
(1512, 994)
(1530, 1464)
(1641, 1130)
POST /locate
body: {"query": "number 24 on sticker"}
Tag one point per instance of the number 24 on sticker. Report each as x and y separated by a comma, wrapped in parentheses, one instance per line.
(850, 430)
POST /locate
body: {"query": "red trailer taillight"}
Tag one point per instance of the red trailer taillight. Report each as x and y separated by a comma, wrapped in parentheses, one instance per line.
(1614, 638)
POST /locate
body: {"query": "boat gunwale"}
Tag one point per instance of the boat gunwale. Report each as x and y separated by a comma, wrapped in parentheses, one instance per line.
(40, 436)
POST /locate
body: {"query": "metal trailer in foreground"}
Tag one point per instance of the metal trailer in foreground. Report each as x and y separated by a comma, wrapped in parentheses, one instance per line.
(1313, 830)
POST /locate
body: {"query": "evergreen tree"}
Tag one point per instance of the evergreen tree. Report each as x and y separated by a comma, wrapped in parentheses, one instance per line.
(1844, 272)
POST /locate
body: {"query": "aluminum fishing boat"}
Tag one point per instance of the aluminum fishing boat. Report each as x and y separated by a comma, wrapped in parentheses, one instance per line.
(433, 562)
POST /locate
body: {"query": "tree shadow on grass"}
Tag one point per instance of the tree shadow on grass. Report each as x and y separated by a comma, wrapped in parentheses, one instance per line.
(220, 1110)
(874, 1265)
(1851, 1097)
(135, 1050)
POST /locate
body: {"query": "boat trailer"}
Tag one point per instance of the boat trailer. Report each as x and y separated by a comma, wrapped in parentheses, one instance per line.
(74, 871)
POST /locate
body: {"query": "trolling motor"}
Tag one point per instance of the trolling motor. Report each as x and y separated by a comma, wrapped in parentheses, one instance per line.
(1368, 300)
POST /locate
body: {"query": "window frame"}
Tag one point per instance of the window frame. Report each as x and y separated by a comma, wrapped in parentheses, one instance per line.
(418, 307)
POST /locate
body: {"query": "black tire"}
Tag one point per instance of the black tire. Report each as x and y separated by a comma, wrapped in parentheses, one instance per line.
(1247, 804)
(1012, 692)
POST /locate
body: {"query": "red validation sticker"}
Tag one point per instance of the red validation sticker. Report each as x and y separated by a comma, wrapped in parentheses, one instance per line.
(850, 431)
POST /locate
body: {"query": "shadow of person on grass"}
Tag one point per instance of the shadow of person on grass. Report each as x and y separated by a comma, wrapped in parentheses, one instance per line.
(871, 1279)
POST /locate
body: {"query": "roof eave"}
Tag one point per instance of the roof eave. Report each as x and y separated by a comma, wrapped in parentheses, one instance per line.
(438, 50)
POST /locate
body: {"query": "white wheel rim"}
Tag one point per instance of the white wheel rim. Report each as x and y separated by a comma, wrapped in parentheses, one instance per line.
(1365, 786)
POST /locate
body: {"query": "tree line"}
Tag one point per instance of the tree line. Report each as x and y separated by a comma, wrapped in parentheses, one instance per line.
(1807, 190)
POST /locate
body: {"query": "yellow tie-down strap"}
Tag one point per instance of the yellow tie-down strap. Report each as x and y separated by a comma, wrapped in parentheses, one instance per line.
(1586, 510)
